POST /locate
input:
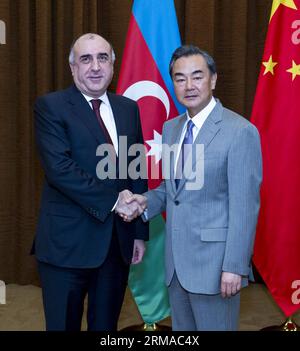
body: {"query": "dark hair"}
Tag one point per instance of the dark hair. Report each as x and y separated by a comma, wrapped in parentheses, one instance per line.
(189, 50)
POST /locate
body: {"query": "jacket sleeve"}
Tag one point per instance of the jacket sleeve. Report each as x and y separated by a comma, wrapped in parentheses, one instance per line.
(156, 200)
(61, 171)
(140, 185)
(244, 179)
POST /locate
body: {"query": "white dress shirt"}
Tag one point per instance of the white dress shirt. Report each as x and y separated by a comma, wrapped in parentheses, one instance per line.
(198, 121)
(107, 117)
(109, 122)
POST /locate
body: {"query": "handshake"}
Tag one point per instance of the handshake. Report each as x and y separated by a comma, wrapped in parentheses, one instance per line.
(130, 206)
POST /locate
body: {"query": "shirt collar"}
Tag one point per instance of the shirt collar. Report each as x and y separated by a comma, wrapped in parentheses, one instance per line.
(103, 98)
(201, 116)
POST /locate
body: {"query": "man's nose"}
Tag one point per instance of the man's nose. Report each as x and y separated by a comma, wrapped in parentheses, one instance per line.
(189, 84)
(95, 65)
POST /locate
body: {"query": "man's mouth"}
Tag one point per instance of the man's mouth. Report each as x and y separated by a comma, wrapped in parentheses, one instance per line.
(190, 97)
(95, 78)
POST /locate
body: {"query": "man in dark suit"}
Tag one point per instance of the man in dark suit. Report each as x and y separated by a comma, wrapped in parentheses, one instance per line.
(82, 246)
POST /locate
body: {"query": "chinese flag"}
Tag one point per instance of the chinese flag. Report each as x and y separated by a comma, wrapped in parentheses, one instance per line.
(276, 113)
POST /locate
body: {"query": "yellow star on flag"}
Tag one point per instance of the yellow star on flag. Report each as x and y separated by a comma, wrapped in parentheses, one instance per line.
(295, 70)
(277, 3)
(269, 66)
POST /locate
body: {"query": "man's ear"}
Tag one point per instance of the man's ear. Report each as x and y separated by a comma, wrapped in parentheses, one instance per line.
(214, 81)
(72, 68)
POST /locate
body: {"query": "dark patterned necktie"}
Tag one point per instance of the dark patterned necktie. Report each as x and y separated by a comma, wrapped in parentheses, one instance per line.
(96, 107)
(185, 148)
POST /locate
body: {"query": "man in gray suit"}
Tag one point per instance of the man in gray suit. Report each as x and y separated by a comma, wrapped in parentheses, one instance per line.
(210, 223)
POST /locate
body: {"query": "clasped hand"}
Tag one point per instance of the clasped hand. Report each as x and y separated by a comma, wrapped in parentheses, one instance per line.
(130, 206)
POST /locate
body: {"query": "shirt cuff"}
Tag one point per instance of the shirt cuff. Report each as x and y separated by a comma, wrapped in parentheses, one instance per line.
(144, 216)
(115, 204)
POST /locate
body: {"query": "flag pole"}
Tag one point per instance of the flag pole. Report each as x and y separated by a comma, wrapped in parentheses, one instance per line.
(289, 325)
(155, 327)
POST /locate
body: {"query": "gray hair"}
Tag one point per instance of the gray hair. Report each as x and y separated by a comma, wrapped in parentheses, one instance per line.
(190, 50)
(91, 36)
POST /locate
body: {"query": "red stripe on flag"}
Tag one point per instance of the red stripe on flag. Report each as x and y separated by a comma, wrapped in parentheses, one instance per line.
(142, 67)
(276, 115)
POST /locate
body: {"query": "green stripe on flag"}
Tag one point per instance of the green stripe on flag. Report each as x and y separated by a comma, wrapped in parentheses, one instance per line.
(146, 280)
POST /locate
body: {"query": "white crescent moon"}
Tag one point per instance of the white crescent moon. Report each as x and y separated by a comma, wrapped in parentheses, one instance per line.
(148, 88)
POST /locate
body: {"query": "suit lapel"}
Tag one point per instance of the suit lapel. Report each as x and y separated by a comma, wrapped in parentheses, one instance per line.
(81, 109)
(117, 112)
(174, 140)
(206, 134)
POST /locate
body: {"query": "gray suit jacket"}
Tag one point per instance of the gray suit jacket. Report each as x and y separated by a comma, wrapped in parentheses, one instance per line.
(211, 229)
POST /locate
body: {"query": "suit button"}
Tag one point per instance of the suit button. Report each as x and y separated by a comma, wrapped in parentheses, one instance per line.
(176, 202)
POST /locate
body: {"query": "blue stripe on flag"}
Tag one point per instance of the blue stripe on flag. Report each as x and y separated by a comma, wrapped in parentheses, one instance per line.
(157, 19)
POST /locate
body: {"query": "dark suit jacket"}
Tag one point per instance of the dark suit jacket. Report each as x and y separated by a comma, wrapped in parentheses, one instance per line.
(75, 222)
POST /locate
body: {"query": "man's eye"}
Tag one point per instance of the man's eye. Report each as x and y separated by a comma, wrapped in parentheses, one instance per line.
(197, 78)
(85, 60)
(180, 80)
(103, 58)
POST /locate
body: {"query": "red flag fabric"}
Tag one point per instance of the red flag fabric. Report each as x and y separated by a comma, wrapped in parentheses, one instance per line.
(277, 117)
